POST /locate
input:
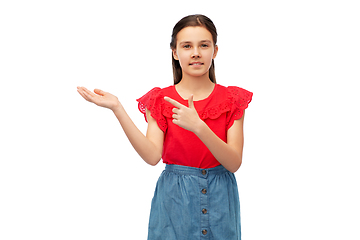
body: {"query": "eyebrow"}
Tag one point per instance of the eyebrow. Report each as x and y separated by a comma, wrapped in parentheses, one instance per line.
(202, 41)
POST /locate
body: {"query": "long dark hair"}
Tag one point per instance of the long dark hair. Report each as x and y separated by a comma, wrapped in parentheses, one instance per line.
(192, 21)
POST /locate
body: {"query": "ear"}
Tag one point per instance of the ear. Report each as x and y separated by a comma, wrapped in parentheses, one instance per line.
(215, 51)
(175, 54)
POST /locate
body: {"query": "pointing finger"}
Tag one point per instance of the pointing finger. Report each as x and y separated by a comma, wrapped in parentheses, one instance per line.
(173, 102)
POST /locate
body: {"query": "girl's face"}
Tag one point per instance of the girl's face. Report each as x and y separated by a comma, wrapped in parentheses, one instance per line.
(195, 50)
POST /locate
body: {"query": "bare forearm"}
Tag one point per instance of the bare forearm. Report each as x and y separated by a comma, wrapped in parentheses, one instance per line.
(143, 146)
(228, 156)
(150, 152)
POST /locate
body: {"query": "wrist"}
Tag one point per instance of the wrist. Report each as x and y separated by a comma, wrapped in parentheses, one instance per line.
(117, 107)
(200, 128)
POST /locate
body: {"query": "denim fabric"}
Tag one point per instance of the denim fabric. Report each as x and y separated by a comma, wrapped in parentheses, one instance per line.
(191, 203)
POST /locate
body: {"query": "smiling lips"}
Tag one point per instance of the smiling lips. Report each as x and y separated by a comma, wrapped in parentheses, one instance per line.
(196, 64)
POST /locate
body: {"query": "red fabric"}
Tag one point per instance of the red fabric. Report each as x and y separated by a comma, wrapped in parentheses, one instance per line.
(218, 111)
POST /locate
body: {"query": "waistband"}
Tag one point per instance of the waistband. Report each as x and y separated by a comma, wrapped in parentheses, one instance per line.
(200, 172)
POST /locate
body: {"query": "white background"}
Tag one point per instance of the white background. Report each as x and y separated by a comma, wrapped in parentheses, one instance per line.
(67, 171)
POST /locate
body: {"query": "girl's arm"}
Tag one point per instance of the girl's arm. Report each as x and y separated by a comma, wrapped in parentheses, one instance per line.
(149, 147)
(228, 154)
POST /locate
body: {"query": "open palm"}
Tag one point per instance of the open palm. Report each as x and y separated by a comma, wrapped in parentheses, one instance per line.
(99, 97)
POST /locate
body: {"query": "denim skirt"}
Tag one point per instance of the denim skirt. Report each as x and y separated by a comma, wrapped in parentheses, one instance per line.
(191, 203)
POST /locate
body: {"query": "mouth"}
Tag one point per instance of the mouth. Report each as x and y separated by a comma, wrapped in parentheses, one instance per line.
(196, 64)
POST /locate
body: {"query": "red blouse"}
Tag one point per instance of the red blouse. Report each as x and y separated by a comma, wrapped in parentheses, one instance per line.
(219, 111)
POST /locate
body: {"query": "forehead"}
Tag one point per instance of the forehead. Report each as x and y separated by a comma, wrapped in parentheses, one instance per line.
(193, 34)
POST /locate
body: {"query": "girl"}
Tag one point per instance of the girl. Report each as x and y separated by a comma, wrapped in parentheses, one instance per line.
(196, 127)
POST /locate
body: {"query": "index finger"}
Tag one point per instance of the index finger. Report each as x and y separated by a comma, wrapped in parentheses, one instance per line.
(173, 102)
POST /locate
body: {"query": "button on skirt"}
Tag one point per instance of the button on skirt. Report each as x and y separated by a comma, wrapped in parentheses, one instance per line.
(191, 203)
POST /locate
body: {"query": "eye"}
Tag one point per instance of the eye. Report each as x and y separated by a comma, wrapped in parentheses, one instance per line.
(204, 45)
(186, 46)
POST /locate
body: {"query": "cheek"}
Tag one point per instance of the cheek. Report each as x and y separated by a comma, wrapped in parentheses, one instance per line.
(183, 58)
(208, 56)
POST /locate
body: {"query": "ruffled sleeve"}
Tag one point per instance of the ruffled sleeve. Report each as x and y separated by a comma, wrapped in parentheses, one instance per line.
(154, 102)
(239, 100)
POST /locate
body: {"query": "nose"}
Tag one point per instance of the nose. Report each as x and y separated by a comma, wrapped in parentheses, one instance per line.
(196, 53)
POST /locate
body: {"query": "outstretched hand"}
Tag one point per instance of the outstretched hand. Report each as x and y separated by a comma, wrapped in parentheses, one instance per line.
(185, 117)
(99, 97)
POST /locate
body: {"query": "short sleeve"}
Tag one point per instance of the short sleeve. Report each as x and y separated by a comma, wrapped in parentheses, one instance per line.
(239, 99)
(154, 102)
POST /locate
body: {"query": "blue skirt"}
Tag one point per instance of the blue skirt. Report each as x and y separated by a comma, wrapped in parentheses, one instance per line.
(191, 203)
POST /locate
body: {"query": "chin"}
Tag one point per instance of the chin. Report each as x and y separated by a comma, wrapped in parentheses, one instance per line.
(197, 73)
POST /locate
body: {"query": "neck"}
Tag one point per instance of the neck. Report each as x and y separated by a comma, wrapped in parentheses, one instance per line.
(195, 84)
